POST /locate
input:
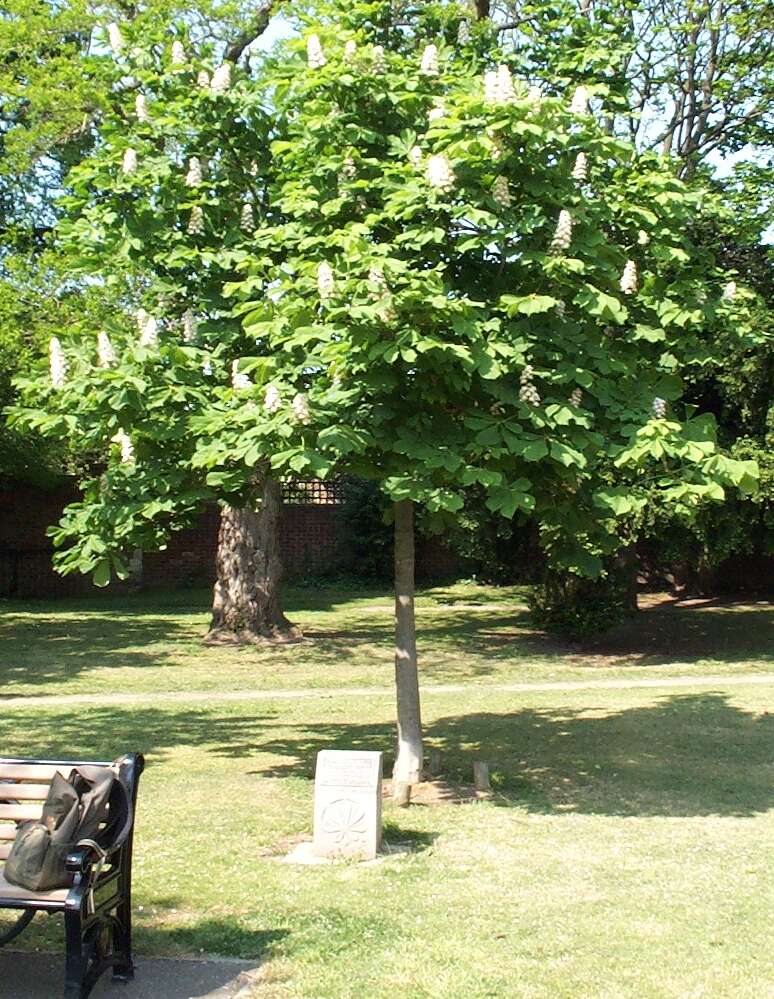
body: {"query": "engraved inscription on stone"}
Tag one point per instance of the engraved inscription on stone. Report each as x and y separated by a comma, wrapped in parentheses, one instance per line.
(348, 804)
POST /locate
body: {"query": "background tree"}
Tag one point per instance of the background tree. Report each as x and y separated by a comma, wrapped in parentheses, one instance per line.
(162, 223)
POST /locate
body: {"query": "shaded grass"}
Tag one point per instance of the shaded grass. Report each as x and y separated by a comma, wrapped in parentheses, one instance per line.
(151, 642)
(627, 854)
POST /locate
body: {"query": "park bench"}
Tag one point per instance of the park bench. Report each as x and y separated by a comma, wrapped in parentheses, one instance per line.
(97, 906)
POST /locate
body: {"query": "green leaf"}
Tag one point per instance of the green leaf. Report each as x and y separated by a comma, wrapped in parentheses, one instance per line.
(599, 303)
(527, 305)
(101, 575)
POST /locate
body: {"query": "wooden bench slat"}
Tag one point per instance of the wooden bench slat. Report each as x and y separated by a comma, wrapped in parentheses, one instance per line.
(7, 832)
(20, 813)
(32, 771)
(24, 792)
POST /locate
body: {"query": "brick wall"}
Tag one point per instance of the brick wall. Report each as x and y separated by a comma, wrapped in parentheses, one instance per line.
(25, 550)
(312, 539)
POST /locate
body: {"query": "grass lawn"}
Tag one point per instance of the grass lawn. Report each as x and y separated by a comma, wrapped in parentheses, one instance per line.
(150, 643)
(627, 852)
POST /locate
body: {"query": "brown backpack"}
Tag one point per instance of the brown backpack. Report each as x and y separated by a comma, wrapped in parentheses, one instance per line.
(73, 813)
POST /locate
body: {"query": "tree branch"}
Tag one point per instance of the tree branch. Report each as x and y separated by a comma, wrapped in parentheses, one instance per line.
(256, 29)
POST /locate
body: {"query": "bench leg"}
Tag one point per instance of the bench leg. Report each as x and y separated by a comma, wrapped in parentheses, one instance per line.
(76, 957)
(123, 968)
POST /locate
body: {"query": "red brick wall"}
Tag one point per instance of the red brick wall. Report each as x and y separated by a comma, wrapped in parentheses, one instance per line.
(311, 539)
(25, 550)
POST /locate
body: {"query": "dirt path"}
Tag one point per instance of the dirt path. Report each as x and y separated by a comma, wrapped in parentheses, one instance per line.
(226, 696)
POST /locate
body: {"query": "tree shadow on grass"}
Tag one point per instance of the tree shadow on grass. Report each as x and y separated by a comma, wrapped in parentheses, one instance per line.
(689, 754)
(692, 754)
(153, 933)
(46, 644)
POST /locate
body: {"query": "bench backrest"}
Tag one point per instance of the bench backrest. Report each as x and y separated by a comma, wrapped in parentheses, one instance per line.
(24, 787)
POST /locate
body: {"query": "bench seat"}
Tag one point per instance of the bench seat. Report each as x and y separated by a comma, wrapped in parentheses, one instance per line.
(13, 893)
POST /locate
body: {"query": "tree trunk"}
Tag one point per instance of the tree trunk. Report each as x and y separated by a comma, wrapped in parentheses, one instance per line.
(246, 599)
(408, 763)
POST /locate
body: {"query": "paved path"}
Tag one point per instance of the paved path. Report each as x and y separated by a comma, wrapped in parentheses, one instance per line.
(225, 696)
(41, 976)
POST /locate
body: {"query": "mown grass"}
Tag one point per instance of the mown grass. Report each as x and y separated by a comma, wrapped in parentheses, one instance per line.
(148, 643)
(627, 851)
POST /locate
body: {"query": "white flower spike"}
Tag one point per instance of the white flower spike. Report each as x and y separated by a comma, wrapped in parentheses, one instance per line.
(105, 351)
(300, 407)
(272, 400)
(190, 326)
(729, 292)
(415, 156)
(437, 112)
(576, 397)
(150, 333)
(196, 222)
(497, 146)
(57, 363)
(239, 380)
(125, 446)
(350, 51)
(658, 408)
(643, 238)
(326, 284)
(527, 391)
(115, 38)
(379, 60)
(505, 91)
(203, 79)
(491, 88)
(348, 169)
(221, 79)
(580, 101)
(314, 53)
(178, 54)
(429, 64)
(246, 220)
(629, 278)
(194, 176)
(463, 33)
(534, 95)
(563, 233)
(129, 164)
(501, 192)
(580, 170)
(141, 108)
(440, 173)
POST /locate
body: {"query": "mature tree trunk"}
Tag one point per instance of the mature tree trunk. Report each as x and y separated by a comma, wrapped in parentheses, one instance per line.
(408, 763)
(246, 599)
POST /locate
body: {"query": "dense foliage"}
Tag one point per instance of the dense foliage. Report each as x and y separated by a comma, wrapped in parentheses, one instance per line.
(442, 279)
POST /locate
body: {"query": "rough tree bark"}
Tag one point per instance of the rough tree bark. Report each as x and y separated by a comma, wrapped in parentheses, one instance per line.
(409, 759)
(246, 600)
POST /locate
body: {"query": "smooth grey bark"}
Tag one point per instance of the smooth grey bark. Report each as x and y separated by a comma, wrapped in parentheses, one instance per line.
(246, 603)
(409, 759)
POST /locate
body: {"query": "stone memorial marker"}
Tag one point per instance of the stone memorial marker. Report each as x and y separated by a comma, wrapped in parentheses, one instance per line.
(348, 804)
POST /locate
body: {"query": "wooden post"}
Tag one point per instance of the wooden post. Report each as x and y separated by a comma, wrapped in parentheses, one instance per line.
(481, 777)
(401, 793)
